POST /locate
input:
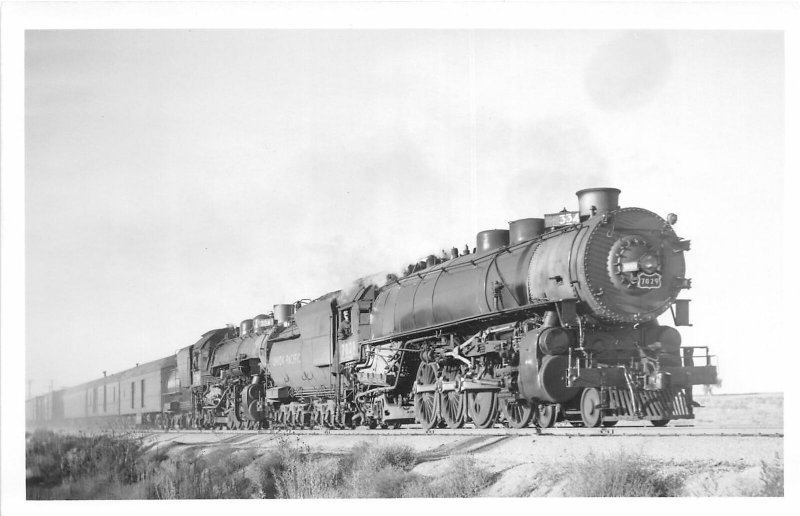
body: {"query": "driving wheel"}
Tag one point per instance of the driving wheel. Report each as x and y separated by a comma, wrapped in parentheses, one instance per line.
(425, 408)
(482, 408)
(451, 403)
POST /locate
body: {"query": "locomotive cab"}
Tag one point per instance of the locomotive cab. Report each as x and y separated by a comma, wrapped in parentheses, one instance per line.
(353, 326)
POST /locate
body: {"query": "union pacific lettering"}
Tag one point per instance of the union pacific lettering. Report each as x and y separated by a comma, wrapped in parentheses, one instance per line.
(285, 360)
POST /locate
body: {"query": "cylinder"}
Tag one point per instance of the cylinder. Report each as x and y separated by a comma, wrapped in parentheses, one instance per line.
(283, 313)
(454, 253)
(542, 379)
(430, 261)
(245, 327)
(602, 200)
(554, 341)
(525, 229)
(491, 240)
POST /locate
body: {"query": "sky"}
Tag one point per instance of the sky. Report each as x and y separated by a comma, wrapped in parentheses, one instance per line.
(179, 180)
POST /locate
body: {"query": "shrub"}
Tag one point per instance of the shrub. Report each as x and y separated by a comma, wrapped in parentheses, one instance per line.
(79, 466)
(364, 472)
(367, 456)
(109, 466)
(377, 472)
(304, 478)
(119, 467)
(292, 472)
(462, 478)
(771, 477)
(621, 474)
(188, 476)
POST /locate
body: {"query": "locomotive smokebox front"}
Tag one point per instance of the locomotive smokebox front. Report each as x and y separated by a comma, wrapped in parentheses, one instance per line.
(625, 264)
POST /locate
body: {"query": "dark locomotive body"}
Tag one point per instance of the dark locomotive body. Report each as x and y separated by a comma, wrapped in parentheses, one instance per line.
(555, 318)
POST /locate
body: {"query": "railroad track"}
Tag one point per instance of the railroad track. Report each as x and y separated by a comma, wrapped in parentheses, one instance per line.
(625, 431)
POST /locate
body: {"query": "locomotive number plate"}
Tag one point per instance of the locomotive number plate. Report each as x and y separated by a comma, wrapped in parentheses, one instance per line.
(650, 280)
(564, 218)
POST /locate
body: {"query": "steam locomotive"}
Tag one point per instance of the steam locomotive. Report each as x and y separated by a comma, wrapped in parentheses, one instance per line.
(552, 319)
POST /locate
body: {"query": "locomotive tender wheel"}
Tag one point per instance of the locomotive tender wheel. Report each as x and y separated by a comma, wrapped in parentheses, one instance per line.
(451, 403)
(425, 408)
(609, 424)
(591, 415)
(546, 416)
(659, 422)
(518, 412)
(483, 408)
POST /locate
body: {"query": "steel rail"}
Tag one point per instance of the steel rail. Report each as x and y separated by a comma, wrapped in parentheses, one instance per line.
(627, 431)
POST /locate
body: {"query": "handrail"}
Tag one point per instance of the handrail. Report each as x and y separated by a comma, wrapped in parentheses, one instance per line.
(475, 318)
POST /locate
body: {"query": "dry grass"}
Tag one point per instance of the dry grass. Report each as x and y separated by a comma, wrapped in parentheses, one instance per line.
(107, 466)
(771, 479)
(366, 472)
(621, 474)
(462, 478)
(79, 466)
(189, 476)
(120, 467)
